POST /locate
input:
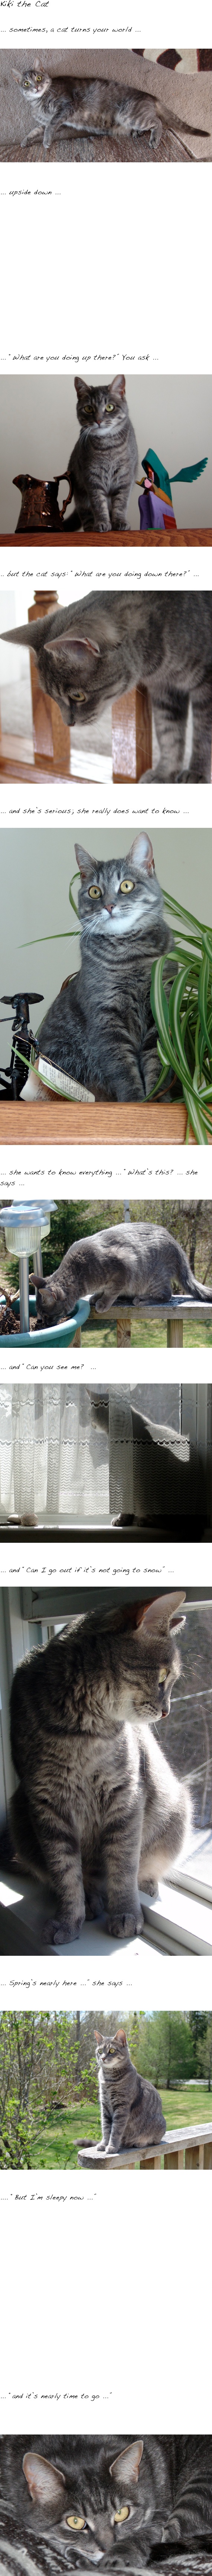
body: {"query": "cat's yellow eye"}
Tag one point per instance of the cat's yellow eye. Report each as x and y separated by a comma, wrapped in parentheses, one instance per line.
(76, 2521)
(162, 1674)
(109, 406)
(123, 2515)
(127, 884)
(94, 891)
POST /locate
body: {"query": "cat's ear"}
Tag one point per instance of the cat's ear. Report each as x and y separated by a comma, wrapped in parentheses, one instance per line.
(26, 635)
(121, 2034)
(74, 648)
(80, 385)
(84, 861)
(166, 1612)
(17, 76)
(127, 2464)
(46, 2484)
(142, 851)
(117, 387)
(97, 2035)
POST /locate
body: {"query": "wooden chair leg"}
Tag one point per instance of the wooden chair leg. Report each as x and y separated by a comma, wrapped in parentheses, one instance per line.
(51, 736)
(131, 734)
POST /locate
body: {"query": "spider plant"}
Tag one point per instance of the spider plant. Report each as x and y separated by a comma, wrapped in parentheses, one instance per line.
(181, 1002)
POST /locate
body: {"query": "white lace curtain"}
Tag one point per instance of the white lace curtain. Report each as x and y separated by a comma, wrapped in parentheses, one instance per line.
(154, 1467)
(57, 1461)
(53, 1459)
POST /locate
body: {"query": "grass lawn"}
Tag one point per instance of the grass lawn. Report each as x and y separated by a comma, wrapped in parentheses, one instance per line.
(55, 2141)
(145, 1336)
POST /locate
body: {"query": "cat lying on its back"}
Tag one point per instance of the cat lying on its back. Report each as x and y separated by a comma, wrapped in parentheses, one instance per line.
(131, 2109)
(89, 654)
(99, 1811)
(93, 106)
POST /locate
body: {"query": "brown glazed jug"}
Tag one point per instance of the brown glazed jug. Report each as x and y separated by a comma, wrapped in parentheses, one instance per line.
(39, 503)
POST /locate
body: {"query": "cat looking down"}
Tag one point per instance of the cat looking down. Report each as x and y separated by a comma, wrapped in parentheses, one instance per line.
(99, 1812)
(123, 1264)
(131, 2109)
(93, 652)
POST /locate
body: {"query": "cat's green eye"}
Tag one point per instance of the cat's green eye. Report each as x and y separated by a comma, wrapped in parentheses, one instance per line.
(123, 2515)
(109, 406)
(94, 891)
(162, 1674)
(127, 885)
(76, 2521)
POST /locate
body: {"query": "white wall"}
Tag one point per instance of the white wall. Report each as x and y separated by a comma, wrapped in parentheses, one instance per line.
(38, 428)
(36, 871)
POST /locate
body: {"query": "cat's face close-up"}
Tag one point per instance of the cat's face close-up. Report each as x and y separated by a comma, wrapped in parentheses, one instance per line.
(121, 894)
(110, 2051)
(100, 406)
(34, 83)
(77, 2496)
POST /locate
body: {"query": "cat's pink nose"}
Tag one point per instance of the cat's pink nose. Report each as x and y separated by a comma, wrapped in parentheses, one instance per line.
(108, 907)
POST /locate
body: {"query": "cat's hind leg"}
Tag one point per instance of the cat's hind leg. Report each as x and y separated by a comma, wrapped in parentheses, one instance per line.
(167, 1819)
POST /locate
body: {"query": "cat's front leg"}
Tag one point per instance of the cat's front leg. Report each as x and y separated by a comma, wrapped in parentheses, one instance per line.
(116, 2139)
(124, 1911)
(106, 2130)
(64, 1872)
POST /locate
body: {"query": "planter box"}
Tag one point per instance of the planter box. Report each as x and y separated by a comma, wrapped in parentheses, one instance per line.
(63, 1122)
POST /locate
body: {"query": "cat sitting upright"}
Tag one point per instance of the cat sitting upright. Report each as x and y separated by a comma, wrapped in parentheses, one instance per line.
(131, 2109)
(103, 464)
(99, 1812)
(100, 1029)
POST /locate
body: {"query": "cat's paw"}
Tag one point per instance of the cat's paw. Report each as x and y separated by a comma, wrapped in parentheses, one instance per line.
(150, 1887)
(64, 1928)
(124, 1927)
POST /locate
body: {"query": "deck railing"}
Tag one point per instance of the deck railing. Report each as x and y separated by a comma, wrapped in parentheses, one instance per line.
(183, 2149)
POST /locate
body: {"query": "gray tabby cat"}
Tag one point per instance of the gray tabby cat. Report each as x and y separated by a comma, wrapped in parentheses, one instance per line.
(131, 2109)
(126, 2503)
(88, 106)
(124, 1264)
(100, 1029)
(99, 1812)
(89, 654)
(103, 464)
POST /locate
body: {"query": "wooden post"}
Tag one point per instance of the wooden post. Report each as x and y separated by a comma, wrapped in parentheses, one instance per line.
(51, 736)
(174, 1332)
(131, 734)
(123, 1331)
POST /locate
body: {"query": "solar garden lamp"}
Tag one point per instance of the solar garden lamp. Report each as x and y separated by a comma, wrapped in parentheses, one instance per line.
(25, 1228)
